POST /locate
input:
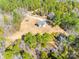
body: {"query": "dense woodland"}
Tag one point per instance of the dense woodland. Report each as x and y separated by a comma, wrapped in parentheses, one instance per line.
(66, 15)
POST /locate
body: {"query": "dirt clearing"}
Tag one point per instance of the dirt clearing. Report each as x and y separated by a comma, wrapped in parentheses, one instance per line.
(28, 25)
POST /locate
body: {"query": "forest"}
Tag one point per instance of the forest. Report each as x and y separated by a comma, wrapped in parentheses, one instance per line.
(38, 46)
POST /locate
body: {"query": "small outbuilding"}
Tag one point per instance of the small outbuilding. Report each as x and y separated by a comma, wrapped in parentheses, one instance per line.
(41, 24)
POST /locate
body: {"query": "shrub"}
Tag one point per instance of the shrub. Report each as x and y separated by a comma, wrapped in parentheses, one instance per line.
(27, 56)
(72, 38)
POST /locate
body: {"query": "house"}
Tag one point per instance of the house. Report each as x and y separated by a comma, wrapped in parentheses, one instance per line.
(41, 23)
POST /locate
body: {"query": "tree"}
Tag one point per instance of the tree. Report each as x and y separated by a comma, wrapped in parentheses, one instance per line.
(27, 56)
(71, 38)
(43, 55)
(16, 47)
(27, 36)
(1, 31)
(31, 40)
(46, 37)
(39, 38)
(8, 54)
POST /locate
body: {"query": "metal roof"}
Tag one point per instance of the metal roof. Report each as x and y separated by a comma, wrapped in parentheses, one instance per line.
(41, 23)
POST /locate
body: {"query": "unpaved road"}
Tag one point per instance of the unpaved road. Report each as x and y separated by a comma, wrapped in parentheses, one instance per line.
(28, 25)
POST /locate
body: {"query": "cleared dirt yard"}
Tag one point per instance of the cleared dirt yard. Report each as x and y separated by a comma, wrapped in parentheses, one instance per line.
(28, 25)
